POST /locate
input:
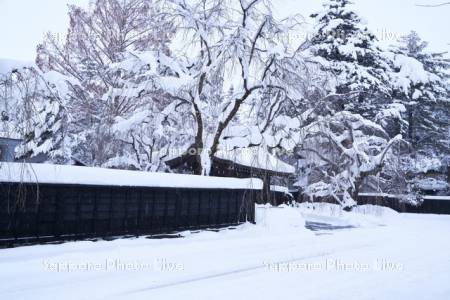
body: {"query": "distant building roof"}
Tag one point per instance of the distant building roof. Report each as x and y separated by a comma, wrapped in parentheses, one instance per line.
(241, 162)
(256, 158)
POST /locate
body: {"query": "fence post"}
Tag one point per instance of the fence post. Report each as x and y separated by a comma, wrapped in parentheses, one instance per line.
(199, 195)
(38, 218)
(152, 214)
(139, 214)
(250, 208)
(178, 210)
(241, 206)
(125, 207)
(189, 208)
(228, 211)
(95, 212)
(166, 207)
(219, 201)
(110, 229)
(15, 215)
(78, 213)
(210, 214)
(58, 206)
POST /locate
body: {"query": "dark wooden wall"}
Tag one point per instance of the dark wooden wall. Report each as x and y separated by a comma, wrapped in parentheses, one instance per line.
(31, 213)
(428, 206)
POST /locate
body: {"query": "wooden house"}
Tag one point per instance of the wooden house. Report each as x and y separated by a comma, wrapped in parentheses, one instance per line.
(251, 163)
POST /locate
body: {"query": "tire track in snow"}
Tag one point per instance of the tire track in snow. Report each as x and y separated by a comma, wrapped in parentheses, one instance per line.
(242, 270)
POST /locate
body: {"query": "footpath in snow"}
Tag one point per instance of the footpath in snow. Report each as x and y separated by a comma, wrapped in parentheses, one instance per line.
(372, 253)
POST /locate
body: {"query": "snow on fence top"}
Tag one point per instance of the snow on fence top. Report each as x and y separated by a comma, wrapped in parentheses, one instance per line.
(57, 174)
(440, 198)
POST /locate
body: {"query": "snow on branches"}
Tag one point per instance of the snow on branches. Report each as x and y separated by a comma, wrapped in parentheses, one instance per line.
(344, 45)
(229, 57)
(153, 84)
(339, 153)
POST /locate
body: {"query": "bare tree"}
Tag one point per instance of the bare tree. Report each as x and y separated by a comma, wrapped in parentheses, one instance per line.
(233, 46)
(98, 89)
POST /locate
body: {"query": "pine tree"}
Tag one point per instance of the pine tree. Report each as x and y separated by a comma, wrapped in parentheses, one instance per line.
(427, 99)
(348, 49)
(44, 133)
(420, 85)
(412, 44)
(345, 47)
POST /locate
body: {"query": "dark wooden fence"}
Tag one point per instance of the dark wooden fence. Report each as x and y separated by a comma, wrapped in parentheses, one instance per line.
(428, 206)
(31, 213)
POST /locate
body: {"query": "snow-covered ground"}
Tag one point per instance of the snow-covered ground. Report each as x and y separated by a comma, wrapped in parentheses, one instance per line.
(377, 254)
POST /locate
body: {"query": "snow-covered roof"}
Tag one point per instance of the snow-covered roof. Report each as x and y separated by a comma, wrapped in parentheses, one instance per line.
(279, 189)
(59, 174)
(256, 158)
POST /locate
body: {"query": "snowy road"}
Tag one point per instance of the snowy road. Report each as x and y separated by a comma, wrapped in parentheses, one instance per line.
(389, 257)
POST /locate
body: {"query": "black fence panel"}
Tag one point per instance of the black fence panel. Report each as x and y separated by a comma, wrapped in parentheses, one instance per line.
(31, 213)
(431, 206)
(428, 206)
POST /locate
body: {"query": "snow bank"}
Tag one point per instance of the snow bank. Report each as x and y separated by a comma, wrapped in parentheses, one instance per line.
(381, 212)
(56, 174)
(360, 216)
(282, 219)
(272, 223)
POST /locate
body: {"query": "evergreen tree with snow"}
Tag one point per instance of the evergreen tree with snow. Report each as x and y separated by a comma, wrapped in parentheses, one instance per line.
(433, 62)
(44, 132)
(342, 44)
(348, 51)
(422, 86)
(345, 48)
(428, 72)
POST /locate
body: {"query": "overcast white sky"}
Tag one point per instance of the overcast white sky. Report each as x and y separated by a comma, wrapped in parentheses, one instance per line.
(23, 23)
